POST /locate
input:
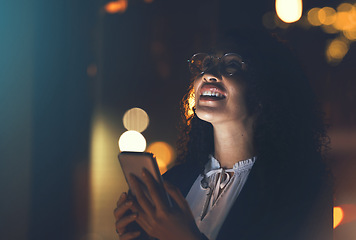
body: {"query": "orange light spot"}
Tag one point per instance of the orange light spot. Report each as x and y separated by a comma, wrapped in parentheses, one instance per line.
(343, 21)
(329, 29)
(313, 17)
(338, 216)
(164, 154)
(148, 1)
(349, 213)
(352, 17)
(344, 7)
(336, 50)
(119, 6)
(346, 17)
(350, 34)
(327, 15)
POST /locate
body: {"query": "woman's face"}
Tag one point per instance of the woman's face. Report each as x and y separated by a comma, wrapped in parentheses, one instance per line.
(219, 96)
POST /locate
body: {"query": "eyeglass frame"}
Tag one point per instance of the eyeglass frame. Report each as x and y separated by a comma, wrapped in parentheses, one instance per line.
(201, 72)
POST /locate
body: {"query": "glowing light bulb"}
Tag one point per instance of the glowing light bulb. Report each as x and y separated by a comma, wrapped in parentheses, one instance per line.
(132, 141)
(289, 11)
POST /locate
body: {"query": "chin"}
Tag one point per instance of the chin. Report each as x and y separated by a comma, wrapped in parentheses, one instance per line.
(207, 115)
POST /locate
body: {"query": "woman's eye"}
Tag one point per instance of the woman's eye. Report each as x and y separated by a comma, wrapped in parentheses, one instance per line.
(232, 67)
(233, 64)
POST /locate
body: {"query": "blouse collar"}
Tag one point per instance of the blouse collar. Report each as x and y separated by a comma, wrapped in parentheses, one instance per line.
(213, 164)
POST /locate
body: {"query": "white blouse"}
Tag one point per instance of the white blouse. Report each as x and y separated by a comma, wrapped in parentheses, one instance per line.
(211, 198)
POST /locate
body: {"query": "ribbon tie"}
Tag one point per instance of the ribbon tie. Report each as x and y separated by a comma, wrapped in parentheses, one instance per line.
(216, 180)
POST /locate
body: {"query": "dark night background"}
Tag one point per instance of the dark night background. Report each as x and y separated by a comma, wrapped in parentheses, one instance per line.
(60, 61)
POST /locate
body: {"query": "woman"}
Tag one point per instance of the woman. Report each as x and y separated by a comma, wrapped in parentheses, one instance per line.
(250, 163)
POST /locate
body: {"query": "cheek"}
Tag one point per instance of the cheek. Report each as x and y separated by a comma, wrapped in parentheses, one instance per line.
(237, 100)
(237, 107)
(194, 91)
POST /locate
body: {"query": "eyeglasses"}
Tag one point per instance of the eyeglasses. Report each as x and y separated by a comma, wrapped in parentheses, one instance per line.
(228, 65)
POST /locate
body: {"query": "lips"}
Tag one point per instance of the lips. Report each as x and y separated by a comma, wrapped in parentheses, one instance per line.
(212, 92)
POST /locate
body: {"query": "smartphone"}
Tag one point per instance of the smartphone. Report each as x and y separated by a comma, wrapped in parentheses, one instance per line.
(134, 162)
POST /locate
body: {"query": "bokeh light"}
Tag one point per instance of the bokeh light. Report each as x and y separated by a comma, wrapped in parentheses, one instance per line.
(336, 50)
(327, 15)
(268, 20)
(132, 141)
(344, 7)
(342, 21)
(338, 216)
(135, 119)
(329, 29)
(118, 6)
(289, 10)
(313, 17)
(353, 14)
(348, 213)
(164, 154)
(350, 34)
(346, 17)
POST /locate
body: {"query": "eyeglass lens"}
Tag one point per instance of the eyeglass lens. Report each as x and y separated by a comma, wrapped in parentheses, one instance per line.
(230, 64)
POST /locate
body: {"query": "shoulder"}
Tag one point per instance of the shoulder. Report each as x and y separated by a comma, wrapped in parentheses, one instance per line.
(275, 207)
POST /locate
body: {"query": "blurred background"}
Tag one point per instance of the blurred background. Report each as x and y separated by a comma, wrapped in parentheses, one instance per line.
(76, 75)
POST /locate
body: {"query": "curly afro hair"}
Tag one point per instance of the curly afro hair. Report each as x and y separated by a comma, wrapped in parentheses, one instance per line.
(289, 134)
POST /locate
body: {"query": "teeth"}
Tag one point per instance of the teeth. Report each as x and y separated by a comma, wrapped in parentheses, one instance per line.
(212, 94)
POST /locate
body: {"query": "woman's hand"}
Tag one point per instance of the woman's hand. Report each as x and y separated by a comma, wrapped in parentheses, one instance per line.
(156, 217)
(124, 216)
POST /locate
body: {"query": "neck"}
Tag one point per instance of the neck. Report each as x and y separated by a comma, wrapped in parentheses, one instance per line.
(233, 142)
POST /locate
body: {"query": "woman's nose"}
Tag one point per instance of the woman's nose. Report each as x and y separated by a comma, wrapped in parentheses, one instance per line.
(208, 77)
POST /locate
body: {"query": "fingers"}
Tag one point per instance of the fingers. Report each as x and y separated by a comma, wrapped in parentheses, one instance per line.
(124, 221)
(176, 195)
(154, 190)
(141, 198)
(122, 224)
(122, 206)
(122, 199)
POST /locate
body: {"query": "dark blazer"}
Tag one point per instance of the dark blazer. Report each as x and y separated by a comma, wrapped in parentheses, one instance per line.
(265, 210)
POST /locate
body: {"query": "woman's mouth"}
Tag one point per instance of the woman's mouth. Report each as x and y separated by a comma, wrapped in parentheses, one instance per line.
(210, 92)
